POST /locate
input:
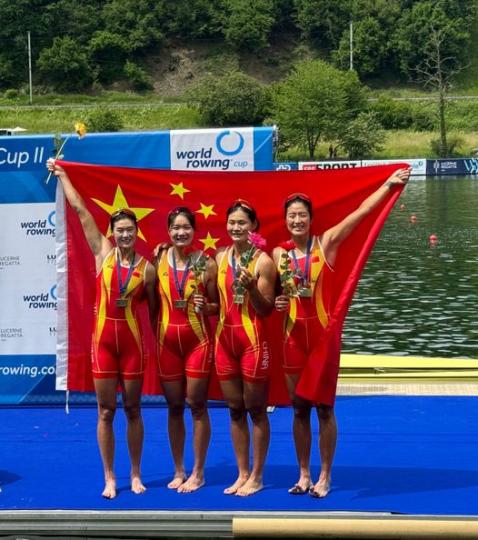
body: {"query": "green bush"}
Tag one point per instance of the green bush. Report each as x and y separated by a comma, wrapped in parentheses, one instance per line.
(454, 143)
(233, 99)
(11, 93)
(101, 120)
(138, 77)
(65, 65)
(394, 114)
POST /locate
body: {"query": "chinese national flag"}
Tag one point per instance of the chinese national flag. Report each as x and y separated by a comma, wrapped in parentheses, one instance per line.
(151, 194)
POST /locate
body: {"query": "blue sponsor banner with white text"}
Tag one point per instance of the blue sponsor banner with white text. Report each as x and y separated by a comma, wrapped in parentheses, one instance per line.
(27, 237)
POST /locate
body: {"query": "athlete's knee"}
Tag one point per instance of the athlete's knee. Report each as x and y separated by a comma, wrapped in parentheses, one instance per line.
(198, 407)
(301, 409)
(176, 409)
(106, 412)
(325, 413)
(237, 411)
(257, 412)
(132, 410)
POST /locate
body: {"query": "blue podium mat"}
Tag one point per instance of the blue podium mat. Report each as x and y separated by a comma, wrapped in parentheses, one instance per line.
(407, 455)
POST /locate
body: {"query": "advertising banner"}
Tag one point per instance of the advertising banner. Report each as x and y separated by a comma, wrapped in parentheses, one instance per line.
(212, 150)
(315, 165)
(443, 167)
(419, 166)
(285, 166)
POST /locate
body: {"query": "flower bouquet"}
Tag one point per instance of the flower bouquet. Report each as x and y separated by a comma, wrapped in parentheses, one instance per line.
(257, 242)
(288, 277)
(197, 266)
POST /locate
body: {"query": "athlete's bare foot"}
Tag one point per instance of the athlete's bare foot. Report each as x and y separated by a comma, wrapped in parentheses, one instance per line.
(193, 483)
(322, 488)
(110, 489)
(137, 486)
(302, 486)
(179, 479)
(232, 490)
(250, 487)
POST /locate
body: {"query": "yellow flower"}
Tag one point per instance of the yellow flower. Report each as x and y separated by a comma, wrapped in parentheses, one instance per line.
(80, 128)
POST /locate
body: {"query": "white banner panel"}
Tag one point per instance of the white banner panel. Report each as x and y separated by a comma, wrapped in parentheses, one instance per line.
(212, 149)
(419, 166)
(28, 279)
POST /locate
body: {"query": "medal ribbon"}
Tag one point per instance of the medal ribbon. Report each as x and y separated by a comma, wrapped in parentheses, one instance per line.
(180, 286)
(123, 287)
(304, 277)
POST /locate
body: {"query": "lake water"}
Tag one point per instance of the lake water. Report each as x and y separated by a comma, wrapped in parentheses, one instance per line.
(415, 298)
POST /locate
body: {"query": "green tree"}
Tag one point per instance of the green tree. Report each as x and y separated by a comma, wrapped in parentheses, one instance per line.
(136, 22)
(322, 22)
(65, 65)
(137, 76)
(249, 24)
(413, 37)
(362, 136)
(315, 102)
(108, 53)
(369, 47)
(191, 19)
(436, 54)
(234, 99)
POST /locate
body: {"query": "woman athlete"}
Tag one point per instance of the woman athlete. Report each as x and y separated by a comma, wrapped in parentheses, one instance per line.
(123, 280)
(188, 294)
(306, 317)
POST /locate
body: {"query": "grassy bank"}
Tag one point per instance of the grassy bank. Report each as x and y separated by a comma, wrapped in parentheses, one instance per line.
(397, 144)
(58, 114)
(134, 117)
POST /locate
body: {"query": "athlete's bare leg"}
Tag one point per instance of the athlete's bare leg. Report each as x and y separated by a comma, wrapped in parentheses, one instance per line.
(327, 444)
(106, 397)
(302, 436)
(196, 397)
(135, 430)
(233, 394)
(255, 399)
(174, 392)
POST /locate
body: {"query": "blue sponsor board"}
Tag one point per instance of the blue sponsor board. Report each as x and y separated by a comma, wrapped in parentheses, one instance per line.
(285, 166)
(459, 167)
(25, 376)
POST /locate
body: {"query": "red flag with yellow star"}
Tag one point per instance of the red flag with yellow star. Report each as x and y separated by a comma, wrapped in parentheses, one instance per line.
(151, 194)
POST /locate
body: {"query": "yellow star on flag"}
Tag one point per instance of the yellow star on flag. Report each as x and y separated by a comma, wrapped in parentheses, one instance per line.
(206, 211)
(179, 190)
(209, 242)
(120, 201)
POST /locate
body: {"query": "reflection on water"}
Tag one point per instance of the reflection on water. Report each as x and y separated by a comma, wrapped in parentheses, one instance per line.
(418, 299)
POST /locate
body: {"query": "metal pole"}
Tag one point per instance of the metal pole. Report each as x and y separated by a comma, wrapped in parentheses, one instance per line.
(351, 39)
(30, 67)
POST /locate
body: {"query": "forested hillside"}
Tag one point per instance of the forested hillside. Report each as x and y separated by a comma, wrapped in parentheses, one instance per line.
(146, 44)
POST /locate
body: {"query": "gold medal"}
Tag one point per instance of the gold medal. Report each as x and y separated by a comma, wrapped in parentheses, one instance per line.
(180, 304)
(238, 298)
(121, 302)
(305, 292)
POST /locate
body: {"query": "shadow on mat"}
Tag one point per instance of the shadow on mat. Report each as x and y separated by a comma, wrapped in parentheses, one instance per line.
(380, 481)
(7, 477)
(365, 481)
